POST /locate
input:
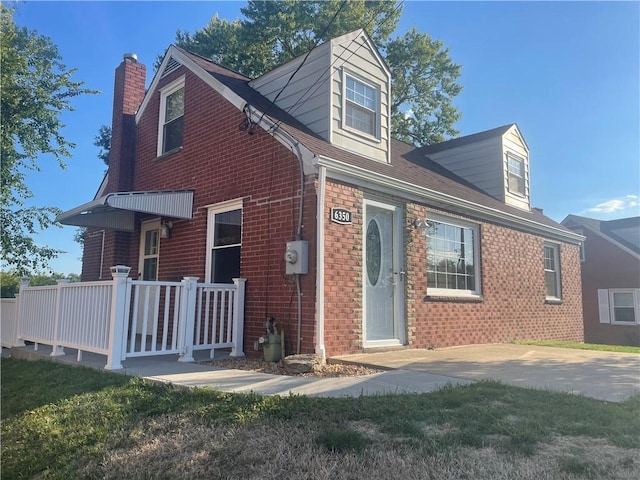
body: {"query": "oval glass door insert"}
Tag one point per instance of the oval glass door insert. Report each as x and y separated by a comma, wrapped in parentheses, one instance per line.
(374, 252)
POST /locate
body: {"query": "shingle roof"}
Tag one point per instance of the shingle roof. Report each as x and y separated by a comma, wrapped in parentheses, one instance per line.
(408, 163)
(460, 141)
(612, 229)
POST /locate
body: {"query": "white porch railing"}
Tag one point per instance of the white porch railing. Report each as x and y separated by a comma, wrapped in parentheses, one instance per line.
(126, 318)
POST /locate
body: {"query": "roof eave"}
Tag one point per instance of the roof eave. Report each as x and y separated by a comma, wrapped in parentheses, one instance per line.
(335, 167)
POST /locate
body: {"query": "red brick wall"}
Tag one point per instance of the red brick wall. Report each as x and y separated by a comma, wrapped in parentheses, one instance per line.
(220, 162)
(513, 292)
(129, 89)
(607, 266)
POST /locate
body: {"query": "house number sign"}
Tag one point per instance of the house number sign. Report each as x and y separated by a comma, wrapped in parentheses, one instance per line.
(341, 216)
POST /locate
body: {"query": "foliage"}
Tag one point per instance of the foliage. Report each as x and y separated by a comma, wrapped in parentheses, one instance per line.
(36, 89)
(67, 418)
(419, 64)
(10, 281)
(103, 142)
(272, 33)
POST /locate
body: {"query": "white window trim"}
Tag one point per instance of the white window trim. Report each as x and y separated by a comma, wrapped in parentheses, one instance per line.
(212, 211)
(377, 113)
(146, 226)
(558, 272)
(164, 93)
(525, 180)
(636, 305)
(450, 292)
(581, 246)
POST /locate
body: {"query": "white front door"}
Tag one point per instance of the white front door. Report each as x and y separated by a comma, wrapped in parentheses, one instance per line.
(383, 275)
(148, 270)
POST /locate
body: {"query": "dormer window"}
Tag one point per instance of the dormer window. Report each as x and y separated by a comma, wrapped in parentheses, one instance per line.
(171, 120)
(516, 175)
(361, 106)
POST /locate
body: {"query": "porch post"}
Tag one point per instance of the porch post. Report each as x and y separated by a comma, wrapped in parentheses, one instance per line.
(238, 319)
(17, 328)
(187, 318)
(119, 315)
(56, 350)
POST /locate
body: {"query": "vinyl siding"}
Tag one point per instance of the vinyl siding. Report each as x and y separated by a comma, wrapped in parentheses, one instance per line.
(357, 58)
(305, 97)
(512, 142)
(479, 163)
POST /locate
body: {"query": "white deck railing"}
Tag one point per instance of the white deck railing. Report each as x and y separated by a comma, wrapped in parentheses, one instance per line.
(126, 318)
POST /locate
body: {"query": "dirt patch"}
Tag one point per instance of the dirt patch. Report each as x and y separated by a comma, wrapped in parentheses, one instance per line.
(277, 368)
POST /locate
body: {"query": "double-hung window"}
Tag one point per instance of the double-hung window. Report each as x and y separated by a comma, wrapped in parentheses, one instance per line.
(516, 175)
(224, 240)
(453, 266)
(171, 122)
(361, 106)
(553, 288)
(619, 306)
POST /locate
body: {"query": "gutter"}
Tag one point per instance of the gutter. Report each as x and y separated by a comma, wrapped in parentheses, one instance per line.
(344, 171)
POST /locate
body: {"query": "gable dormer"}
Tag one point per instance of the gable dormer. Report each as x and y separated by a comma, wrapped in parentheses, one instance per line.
(341, 91)
(496, 161)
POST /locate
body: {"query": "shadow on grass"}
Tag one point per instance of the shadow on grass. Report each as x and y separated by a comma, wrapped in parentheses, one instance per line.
(58, 416)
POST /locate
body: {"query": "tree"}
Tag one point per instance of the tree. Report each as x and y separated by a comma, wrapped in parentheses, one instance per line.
(36, 89)
(103, 142)
(272, 33)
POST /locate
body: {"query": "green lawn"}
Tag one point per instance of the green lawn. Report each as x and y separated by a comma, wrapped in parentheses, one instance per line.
(581, 346)
(70, 422)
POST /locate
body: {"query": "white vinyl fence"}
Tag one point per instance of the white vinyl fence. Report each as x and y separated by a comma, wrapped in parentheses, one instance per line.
(125, 318)
(9, 319)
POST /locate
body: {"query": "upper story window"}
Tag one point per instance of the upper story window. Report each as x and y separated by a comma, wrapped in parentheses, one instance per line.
(552, 272)
(516, 175)
(361, 106)
(453, 266)
(171, 121)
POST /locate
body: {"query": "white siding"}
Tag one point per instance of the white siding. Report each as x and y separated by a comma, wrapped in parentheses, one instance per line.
(484, 164)
(356, 57)
(480, 163)
(305, 98)
(513, 142)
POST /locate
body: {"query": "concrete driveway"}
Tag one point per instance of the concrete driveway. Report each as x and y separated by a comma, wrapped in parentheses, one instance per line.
(601, 375)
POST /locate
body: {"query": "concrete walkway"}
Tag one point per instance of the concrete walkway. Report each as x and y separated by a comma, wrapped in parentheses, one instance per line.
(167, 369)
(601, 375)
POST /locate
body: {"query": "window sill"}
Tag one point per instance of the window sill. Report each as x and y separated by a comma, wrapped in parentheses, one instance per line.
(553, 301)
(169, 153)
(454, 298)
(362, 135)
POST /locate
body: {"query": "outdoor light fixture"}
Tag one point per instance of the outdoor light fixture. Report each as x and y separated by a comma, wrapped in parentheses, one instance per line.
(422, 225)
(165, 229)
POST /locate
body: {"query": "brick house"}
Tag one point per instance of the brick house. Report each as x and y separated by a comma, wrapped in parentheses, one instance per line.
(610, 257)
(349, 238)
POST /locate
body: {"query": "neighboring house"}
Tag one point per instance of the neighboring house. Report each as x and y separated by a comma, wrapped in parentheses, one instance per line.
(610, 258)
(350, 239)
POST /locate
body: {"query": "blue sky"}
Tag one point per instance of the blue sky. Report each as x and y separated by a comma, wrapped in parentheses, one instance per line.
(568, 73)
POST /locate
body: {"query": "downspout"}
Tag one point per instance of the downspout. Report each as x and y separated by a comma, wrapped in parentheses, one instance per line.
(295, 149)
(322, 181)
(298, 154)
(93, 235)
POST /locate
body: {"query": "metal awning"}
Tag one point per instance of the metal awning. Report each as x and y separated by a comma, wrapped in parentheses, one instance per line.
(117, 210)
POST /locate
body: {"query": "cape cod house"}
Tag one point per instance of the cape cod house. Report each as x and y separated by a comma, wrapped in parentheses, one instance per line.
(610, 257)
(349, 238)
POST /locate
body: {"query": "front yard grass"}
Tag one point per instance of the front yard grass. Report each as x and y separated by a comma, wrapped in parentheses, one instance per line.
(581, 346)
(70, 422)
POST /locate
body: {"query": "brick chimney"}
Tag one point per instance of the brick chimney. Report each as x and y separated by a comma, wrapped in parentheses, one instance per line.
(128, 93)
